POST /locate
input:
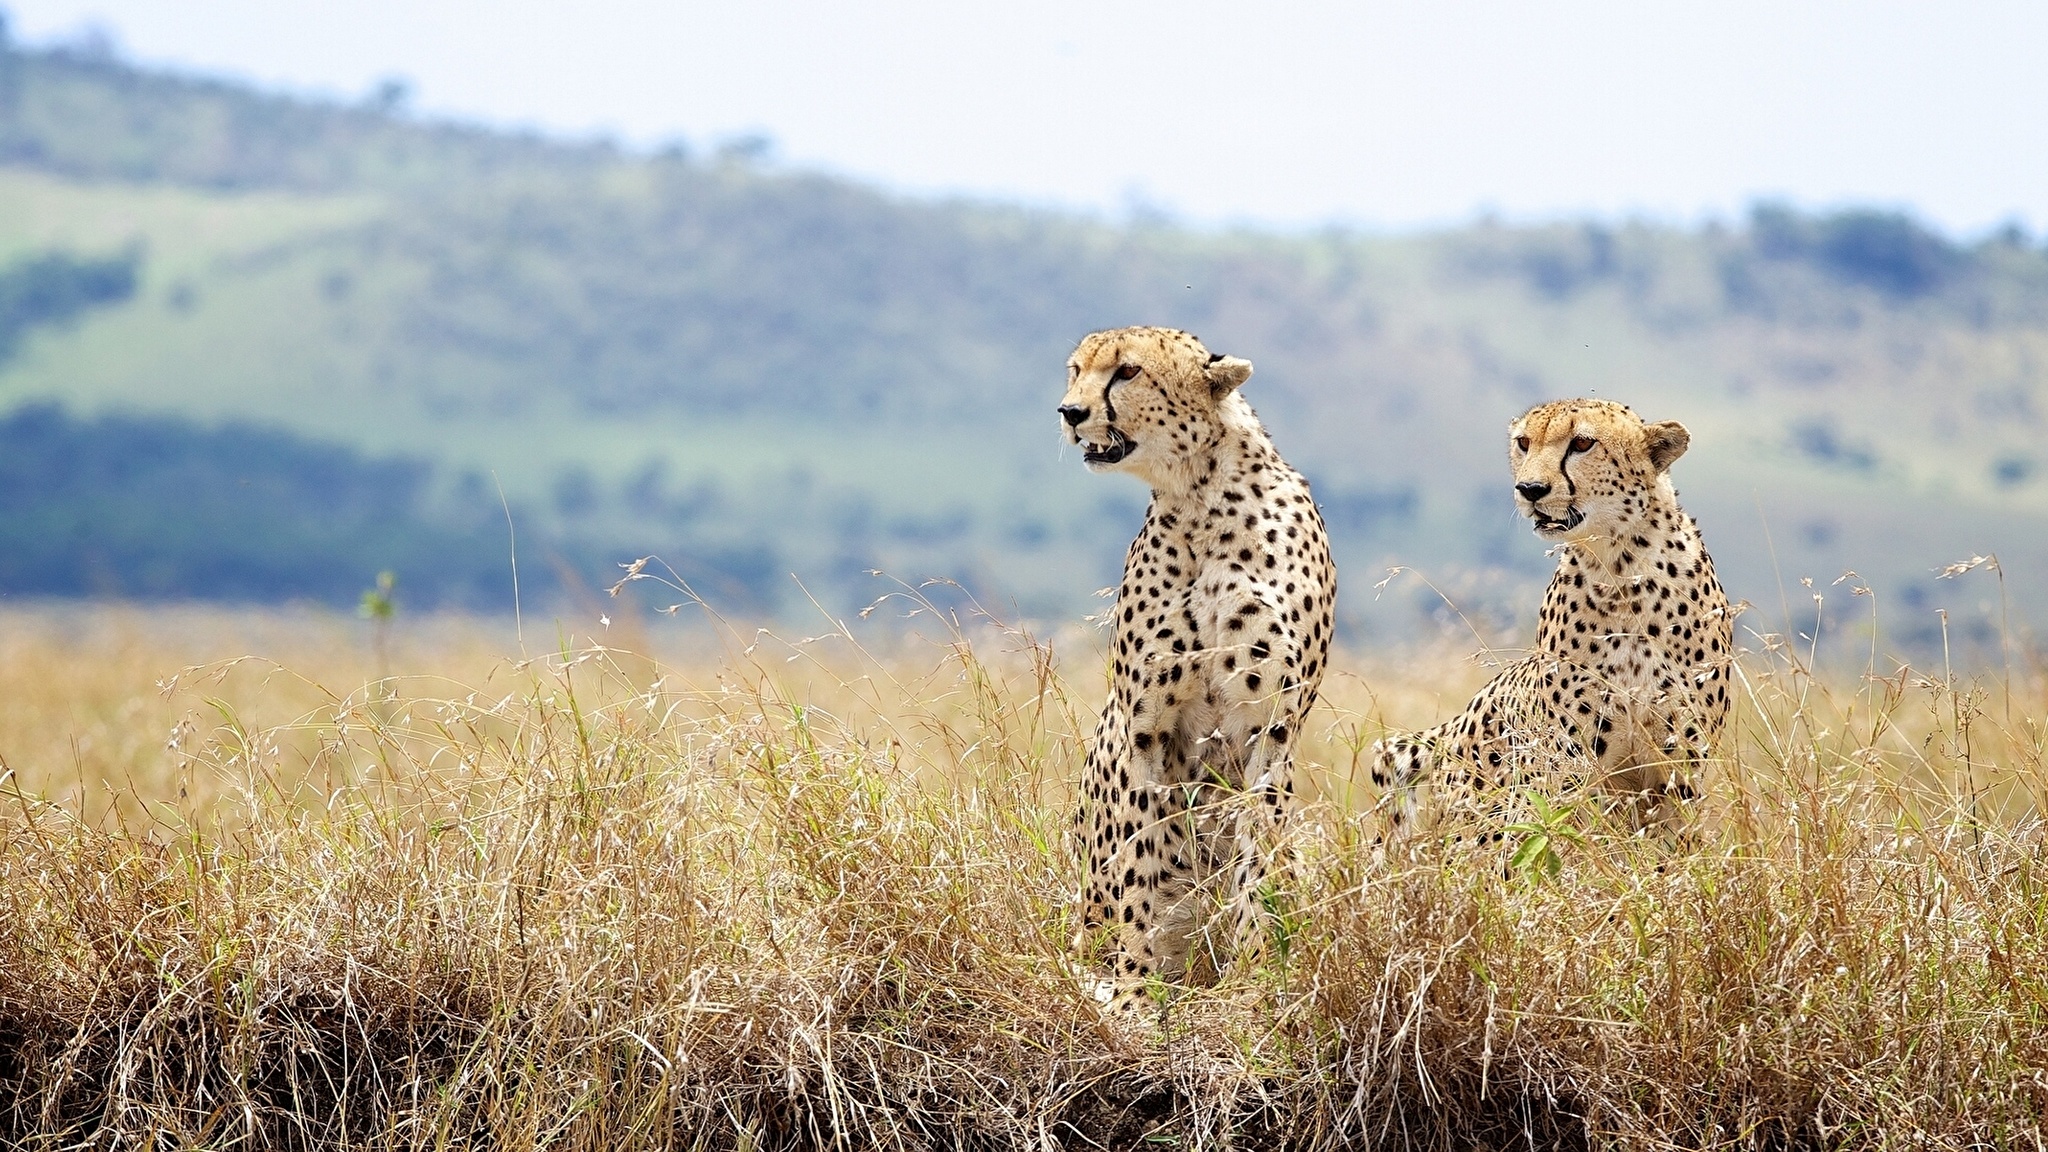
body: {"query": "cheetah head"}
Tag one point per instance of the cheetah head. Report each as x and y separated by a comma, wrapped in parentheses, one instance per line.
(1142, 400)
(1586, 468)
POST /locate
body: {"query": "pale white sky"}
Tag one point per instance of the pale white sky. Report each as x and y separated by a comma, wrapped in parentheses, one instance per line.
(1382, 114)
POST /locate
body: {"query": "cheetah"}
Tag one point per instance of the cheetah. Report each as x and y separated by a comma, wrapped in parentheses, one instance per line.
(1222, 628)
(1627, 685)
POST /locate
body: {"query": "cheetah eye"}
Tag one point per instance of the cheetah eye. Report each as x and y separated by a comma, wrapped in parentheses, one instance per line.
(1581, 443)
(1521, 443)
(1126, 372)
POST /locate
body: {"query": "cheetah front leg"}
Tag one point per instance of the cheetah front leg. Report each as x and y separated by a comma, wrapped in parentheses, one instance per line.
(1401, 761)
(1263, 811)
(1695, 733)
(1664, 788)
(1140, 841)
(1265, 701)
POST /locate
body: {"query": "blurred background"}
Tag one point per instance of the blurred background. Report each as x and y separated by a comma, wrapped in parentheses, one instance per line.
(294, 293)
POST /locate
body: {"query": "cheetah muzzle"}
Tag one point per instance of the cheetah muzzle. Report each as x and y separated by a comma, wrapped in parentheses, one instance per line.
(1103, 455)
(1555, 525)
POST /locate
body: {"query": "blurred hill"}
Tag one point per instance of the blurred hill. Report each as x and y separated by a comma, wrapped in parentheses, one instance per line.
(755, 372)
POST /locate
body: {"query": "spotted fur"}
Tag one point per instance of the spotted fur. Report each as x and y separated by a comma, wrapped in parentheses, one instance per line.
(1627, 686)
(1222, 632)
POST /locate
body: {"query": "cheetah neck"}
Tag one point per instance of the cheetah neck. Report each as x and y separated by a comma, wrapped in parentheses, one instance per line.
(1190, 480)
(1636, 547)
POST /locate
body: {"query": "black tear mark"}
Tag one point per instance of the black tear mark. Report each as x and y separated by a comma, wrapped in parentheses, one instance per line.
(1570, 489)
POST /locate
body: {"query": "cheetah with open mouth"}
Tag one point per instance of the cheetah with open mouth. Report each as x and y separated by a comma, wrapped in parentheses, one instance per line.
(1222, 633)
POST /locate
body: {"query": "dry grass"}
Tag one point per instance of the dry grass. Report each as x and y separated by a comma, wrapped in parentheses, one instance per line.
(805, 895)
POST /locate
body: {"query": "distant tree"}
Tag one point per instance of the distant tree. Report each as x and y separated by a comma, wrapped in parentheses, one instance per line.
(162, 507)
(753, 148)
(1889, 251)
(55, 287)
(391, 95)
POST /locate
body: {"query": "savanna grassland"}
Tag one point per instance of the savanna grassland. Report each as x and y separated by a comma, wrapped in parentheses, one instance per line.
(282, 878)
(275, 881)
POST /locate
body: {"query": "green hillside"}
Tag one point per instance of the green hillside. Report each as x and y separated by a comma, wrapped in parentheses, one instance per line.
(755, 372)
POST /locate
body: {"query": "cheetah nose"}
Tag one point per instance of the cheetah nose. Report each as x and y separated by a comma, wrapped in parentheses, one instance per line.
(1533, 490)
(1073, 413)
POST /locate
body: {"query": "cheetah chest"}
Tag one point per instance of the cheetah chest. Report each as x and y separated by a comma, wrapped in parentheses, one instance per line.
(1630, 637)
(1163, 637)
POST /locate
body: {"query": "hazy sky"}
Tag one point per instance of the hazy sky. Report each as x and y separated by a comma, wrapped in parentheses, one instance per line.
(1283, 113)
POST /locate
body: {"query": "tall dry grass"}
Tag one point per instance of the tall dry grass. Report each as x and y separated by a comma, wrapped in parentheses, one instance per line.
(804, 894)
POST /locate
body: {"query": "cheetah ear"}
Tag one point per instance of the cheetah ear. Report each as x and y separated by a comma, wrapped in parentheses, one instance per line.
(1226, 373)
(1667, 440)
